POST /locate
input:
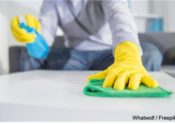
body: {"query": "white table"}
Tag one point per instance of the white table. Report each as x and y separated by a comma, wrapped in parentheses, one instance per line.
(57, 96)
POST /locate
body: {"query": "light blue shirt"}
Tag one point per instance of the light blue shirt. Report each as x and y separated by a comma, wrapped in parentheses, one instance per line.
(88, 24)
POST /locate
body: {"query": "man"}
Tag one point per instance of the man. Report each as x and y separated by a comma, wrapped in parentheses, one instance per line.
(98, 35)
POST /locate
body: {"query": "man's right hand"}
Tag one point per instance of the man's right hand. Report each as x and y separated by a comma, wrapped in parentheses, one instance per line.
(27, 31)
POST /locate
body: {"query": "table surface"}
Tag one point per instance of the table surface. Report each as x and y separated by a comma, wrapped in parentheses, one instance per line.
(58, 96)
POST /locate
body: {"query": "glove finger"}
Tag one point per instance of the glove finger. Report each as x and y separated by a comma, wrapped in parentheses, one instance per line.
(99, 75)
(113, 74)
(109, 80)
(134, 81)
(28, 38)
(16, 28)
(149, 81)
(122, 80)
(32, 22)
(38, 27)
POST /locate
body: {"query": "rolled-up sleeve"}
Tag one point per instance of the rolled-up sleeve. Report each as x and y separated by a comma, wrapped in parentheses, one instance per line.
(49, 20)
(121, 21)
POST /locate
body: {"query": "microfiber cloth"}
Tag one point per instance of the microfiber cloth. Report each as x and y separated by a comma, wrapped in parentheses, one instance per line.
(94, 88)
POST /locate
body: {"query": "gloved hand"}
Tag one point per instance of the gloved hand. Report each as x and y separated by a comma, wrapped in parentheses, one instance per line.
(28, 31)
(127, 69)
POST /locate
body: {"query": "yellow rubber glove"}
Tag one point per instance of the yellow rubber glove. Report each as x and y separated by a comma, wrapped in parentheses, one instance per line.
(127, 69)
(20, 34)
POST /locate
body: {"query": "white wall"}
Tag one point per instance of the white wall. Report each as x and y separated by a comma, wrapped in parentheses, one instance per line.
(3, 45)
(140, 6)
(166, 9)
(140, 10)
(154, 8)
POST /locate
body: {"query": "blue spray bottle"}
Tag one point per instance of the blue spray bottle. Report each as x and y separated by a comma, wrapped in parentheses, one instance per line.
(39, 48)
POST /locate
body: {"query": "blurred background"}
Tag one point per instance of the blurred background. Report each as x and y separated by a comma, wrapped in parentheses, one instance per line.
(155, 20)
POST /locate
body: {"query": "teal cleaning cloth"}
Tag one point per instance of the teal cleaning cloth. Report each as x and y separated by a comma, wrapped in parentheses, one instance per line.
(94, 88)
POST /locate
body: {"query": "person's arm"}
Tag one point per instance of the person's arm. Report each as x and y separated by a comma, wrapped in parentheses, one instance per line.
(127, 69)
(121, 21)
(49, 20)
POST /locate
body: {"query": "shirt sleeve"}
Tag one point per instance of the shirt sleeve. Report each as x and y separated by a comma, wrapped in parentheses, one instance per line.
(121, 21)
(49, 20)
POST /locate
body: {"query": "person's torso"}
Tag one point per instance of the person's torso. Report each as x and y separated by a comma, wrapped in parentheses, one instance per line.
(83, 23)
